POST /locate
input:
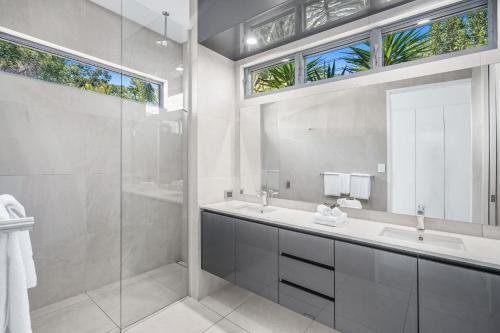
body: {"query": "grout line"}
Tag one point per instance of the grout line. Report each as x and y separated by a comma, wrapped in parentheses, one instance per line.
(154, 314)
(105, 313)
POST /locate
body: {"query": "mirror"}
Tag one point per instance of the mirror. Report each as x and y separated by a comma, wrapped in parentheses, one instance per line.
(398, 147)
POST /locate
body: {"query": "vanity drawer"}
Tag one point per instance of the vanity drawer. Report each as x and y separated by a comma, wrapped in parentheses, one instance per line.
(313, 277)
(306, 303)
(317, 249)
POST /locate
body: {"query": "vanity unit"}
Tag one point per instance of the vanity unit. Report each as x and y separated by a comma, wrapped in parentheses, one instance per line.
(352, 285)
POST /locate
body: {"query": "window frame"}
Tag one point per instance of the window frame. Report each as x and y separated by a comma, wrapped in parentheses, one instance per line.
(85, 61)
(333, 46)
(376, 38)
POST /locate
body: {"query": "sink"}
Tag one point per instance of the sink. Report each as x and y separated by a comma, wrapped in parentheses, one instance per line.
(428, 239)
(255, 209)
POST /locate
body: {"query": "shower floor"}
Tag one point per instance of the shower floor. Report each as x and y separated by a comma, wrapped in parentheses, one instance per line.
(98, 311)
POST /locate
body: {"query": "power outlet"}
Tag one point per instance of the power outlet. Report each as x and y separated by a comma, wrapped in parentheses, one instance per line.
(228, 195)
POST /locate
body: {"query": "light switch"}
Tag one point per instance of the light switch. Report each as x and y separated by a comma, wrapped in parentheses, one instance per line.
(381, 168)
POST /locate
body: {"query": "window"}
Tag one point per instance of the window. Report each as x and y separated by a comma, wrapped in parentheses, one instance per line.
(273, 77)
(468, 25)
(26, 61)
(435, 37)
(338, 62)
(321, 12)
(275, 30)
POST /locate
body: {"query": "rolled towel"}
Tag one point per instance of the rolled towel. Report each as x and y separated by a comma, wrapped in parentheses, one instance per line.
(324, 210)
(336, 212)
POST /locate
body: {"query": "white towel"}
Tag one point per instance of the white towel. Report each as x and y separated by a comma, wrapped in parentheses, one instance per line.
(17, 271)
(16, 211)
(4, 215)
(18, 308)
(345, 183)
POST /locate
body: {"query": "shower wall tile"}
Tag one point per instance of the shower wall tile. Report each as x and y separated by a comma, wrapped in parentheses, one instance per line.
(40, 140)
(103, 202)
(60, 270)
(102, 144)
(102, 264)
(151, 233)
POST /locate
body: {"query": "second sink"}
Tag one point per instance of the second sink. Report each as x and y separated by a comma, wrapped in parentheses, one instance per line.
(427, 239)
(255, 209)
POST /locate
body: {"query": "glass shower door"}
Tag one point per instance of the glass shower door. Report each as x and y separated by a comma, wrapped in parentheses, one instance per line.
(154, 221)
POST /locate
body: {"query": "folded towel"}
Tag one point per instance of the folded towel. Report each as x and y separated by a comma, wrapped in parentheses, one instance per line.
(332, 221)
(349, 203)
(16, 211)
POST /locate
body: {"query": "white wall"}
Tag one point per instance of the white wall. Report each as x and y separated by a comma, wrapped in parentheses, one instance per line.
(213, 121)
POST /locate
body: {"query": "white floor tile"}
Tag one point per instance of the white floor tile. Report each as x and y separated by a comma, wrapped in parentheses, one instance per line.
(139, 299)
(225, 326)
(260, 315)
(82, 317)
(187, 316)
(173, 277)
(225, 300)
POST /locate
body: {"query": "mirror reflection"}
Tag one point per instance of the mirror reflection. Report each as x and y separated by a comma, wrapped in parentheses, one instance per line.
(400, 147)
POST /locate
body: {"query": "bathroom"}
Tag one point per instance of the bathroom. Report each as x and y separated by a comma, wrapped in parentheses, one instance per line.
(249, 166)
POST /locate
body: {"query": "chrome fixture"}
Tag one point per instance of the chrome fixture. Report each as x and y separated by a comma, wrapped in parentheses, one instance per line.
(421, 221)
(265, 195)
(164, 42)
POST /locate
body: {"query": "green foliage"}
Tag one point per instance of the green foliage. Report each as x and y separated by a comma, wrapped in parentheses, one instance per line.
(318, 73)
(405, 46)
(22, 60)
(453, 34)
(459, 33)
(276, 77)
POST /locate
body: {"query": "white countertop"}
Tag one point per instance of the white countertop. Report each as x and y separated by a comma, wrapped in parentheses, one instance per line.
(478, 251)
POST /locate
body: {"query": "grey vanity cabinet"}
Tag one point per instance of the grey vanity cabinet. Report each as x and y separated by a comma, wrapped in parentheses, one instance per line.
(257, 258)
(457, 300)
(375, 290)
(218, 245)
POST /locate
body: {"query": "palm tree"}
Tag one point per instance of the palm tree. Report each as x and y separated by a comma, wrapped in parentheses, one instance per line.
(316, 73)
(399, 47)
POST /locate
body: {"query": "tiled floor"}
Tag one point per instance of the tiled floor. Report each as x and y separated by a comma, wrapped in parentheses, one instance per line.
(229, 310)
(97, 311)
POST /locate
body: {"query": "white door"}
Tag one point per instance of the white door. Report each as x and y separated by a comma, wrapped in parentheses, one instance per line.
(430, 150)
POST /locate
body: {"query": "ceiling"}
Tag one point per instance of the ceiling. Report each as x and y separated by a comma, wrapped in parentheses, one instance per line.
(224, 25)
(148, 13)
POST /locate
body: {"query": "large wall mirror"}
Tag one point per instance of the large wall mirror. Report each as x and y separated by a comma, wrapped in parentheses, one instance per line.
(388, 147)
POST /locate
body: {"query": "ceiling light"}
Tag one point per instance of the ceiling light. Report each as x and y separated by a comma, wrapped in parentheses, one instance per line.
(179, 68)
(251, 41)
(425, 21)
(164, 42)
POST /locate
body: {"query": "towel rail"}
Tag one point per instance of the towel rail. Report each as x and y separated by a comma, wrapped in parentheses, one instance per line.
(22, 224)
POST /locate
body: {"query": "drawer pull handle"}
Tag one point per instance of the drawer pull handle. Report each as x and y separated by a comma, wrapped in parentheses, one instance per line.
(307, 290)
(307, 261)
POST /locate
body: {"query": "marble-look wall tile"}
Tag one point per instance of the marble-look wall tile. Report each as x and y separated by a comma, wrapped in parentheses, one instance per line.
(151, 232)
(39, 140)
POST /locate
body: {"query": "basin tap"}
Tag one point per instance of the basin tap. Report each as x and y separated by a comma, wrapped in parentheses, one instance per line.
(264, 196)
(420, 217)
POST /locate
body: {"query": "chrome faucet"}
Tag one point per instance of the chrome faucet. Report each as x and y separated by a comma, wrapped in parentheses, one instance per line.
(421, 217)
(265, 195)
